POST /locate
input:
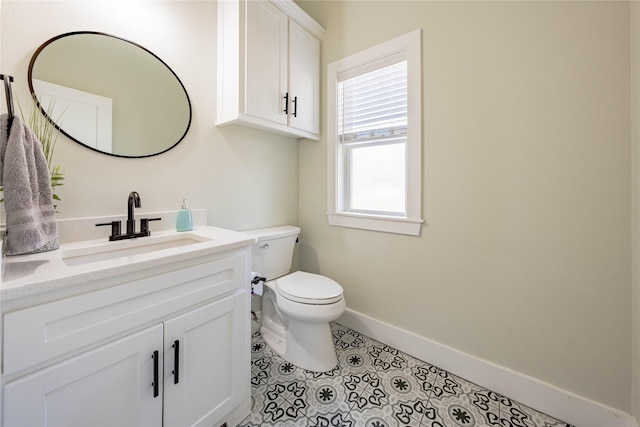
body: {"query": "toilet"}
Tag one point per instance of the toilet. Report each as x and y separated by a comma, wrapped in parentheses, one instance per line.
(296, 307)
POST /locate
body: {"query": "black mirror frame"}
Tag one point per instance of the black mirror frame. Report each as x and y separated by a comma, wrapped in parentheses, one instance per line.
(43, 111)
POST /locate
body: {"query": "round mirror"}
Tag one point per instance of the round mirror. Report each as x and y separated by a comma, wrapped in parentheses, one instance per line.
(110, 94)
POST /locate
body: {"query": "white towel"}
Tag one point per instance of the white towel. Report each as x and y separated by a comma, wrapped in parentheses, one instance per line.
(28, 196)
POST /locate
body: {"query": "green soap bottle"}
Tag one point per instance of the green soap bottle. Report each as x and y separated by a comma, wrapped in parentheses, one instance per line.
(184, 222)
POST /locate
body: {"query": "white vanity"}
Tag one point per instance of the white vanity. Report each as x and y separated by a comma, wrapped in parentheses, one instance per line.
(150, 331)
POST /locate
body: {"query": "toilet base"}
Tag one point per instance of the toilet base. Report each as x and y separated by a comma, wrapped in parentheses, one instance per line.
(300, 333)
(310, 346)
(307, 345)
(273, 335)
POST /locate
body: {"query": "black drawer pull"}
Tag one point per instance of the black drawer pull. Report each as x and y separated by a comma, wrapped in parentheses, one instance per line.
(176, 361)
(156, 371)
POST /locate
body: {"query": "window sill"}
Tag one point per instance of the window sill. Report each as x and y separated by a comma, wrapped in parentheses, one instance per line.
(377, 223)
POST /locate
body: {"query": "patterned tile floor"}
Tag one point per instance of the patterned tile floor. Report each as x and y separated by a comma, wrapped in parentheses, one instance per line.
(374, 385)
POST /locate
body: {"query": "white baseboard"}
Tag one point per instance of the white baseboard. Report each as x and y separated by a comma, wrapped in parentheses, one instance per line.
(527, 390)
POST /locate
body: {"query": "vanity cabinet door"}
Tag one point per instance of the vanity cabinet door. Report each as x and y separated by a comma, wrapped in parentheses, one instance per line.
(206, 371)
(110, 385)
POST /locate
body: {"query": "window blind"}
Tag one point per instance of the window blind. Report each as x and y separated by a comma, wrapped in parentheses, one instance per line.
(373, 104)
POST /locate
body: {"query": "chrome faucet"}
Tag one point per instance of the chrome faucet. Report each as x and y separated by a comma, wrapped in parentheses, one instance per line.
(134, 200)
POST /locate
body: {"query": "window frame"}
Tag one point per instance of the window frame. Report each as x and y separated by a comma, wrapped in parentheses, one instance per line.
(411, 224)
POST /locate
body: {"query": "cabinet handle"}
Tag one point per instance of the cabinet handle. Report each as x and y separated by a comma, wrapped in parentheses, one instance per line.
(156, 370)
(286, 103)
(176, 361)
(295, 106)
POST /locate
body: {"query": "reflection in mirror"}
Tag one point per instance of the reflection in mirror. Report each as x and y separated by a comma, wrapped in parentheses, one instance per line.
(110, 94)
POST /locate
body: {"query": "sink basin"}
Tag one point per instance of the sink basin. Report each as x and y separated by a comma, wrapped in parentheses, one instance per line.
(95, 251)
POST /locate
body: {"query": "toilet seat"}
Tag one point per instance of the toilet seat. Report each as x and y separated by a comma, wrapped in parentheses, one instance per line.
(309, 288)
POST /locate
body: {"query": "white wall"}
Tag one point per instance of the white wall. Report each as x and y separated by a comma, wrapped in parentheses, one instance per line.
(525, 257)
(245, 178)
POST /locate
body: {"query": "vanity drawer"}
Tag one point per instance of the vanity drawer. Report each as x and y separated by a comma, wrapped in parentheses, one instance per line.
(36, 334)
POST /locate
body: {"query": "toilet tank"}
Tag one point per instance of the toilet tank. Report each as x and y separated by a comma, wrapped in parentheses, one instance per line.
(273, 254)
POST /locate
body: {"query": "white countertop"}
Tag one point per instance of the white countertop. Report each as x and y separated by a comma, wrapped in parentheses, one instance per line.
(26, 275)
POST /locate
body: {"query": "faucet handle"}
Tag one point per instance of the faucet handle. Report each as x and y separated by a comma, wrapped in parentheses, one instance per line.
(115, 228)
(144, 224)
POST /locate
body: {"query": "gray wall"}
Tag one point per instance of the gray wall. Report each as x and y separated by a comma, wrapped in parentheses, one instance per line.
(525, 257)
(635, 141)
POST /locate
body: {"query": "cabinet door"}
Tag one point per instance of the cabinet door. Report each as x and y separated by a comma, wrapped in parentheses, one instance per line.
(110, 385)
(304, 79)
(266, 62)
(212, 362)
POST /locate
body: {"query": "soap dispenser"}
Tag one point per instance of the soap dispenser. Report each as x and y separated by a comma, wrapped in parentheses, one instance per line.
(184, 222)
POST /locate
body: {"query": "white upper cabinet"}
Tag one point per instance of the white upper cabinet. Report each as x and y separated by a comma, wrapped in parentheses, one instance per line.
(269, 67)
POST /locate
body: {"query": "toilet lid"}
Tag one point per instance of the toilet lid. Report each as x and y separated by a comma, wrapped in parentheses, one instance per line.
(309, 288)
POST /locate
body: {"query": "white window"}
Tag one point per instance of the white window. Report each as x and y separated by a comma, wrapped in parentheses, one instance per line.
(374, 138)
